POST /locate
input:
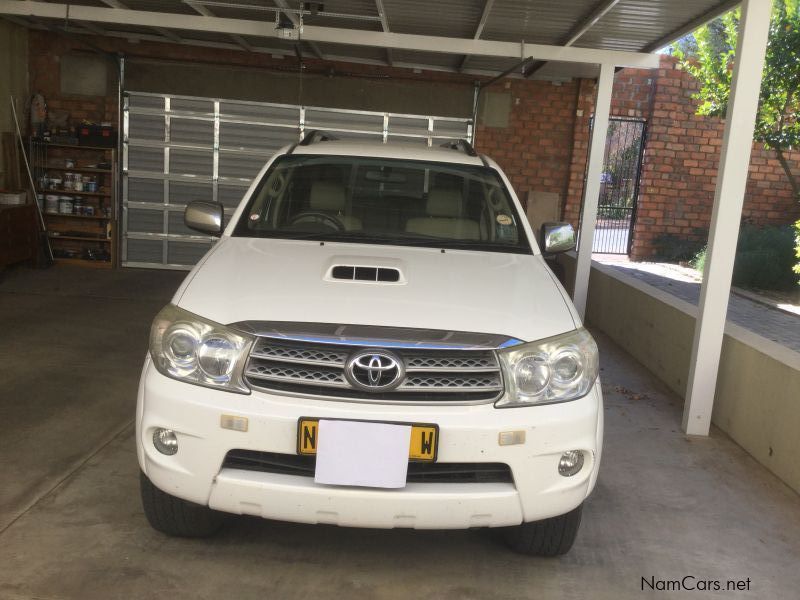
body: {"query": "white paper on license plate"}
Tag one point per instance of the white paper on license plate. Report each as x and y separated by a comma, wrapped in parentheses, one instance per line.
(362, 454)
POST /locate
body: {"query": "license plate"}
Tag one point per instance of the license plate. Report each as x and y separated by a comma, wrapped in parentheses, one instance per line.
(423, 446)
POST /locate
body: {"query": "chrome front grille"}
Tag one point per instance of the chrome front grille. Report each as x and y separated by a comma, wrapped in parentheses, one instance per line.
(261, 370)
(303, 355)
(448, 381)
(312, 368)
(445, 363)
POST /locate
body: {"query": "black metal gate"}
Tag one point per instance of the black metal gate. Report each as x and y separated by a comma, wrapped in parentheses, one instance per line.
(619, 186)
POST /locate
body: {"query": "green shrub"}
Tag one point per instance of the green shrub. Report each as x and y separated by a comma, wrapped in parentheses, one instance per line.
(765, 258)
(797, 247)
(699, 260)
(671, 248)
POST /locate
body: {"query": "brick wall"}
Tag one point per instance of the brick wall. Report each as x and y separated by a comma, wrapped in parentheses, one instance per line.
(682, 152)
(534, 150)
(680, 168)
(44, 63)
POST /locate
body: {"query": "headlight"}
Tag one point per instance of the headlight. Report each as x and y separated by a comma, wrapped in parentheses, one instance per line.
(190, 348)
(557, 369)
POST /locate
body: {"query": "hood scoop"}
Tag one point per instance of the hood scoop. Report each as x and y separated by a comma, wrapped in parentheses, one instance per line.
(363, 273)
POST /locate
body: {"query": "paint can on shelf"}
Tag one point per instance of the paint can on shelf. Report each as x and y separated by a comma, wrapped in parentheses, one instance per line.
(65, 205)
(51, 203)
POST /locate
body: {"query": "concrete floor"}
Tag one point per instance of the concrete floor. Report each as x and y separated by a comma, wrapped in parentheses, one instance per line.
(71, 525)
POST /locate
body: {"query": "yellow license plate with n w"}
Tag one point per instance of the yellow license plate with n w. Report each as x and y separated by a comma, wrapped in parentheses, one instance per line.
(422, 447)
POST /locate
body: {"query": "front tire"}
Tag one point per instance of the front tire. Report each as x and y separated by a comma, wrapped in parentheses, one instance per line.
(550, 537)
(174, 516)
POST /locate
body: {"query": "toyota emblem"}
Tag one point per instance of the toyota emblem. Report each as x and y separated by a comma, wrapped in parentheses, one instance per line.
(374, 370)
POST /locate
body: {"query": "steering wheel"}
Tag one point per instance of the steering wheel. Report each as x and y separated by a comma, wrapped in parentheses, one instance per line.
(320, 217)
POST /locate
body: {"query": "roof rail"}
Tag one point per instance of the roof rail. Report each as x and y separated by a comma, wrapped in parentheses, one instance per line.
(317, 135)
(461, 144)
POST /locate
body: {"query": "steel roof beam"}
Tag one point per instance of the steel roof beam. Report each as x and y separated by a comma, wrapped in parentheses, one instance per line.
(384, 26)
(192, 42)
(296, 22)
(332, 35)
(25, 22)
(93, 28)
(294, 11)
(598, 12)
(202, 10)
(487, 8)
(678, 33)
(18, 21)
(170, 35)
(589, 21)
(282, 52)
(241, 42)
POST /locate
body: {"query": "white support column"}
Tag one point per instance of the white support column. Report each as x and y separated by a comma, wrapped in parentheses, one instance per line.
(726, 215)
(591, 192)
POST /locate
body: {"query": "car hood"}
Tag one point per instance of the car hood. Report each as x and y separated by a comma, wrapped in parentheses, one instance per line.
(244, 279)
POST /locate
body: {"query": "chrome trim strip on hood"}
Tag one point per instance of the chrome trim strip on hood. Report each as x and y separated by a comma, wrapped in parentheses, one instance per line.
(376, 336)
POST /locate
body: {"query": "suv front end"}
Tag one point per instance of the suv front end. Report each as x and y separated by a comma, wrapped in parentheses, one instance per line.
(505, 422)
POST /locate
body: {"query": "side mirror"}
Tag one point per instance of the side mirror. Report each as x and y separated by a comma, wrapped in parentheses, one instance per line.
(557, 237)
(205, 217)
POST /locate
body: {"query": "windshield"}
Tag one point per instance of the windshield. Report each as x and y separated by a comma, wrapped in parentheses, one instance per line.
(389, 201)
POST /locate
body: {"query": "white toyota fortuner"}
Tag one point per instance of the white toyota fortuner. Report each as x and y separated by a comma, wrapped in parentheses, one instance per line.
(376, 340)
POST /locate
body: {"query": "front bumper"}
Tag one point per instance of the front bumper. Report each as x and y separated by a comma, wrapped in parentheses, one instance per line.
(466, 434)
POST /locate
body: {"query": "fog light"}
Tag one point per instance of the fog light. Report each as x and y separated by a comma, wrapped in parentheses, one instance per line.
(165, 441)
(570, 463)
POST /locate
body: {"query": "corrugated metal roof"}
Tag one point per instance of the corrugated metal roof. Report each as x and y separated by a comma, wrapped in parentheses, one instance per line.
(448, 18)
(175, 6)
(535, 21)
(635, 24)
(631, 25)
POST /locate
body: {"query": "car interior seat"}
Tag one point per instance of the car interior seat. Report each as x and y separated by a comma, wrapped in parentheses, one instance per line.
(444, 218)
(330, 198)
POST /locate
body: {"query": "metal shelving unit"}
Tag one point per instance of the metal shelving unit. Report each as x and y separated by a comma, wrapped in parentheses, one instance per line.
(81, 239)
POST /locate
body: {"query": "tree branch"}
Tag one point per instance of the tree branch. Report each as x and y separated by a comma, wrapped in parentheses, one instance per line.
(789, 175)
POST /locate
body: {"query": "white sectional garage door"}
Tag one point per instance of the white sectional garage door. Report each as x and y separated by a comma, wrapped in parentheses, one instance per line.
(178, 149)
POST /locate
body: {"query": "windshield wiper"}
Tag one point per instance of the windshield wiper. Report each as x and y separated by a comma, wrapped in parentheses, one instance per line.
(344, 236)
(281, 235)
(477, 246)
(397, 239)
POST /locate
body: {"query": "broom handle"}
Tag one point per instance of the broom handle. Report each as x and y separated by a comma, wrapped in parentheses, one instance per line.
(30, 177)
